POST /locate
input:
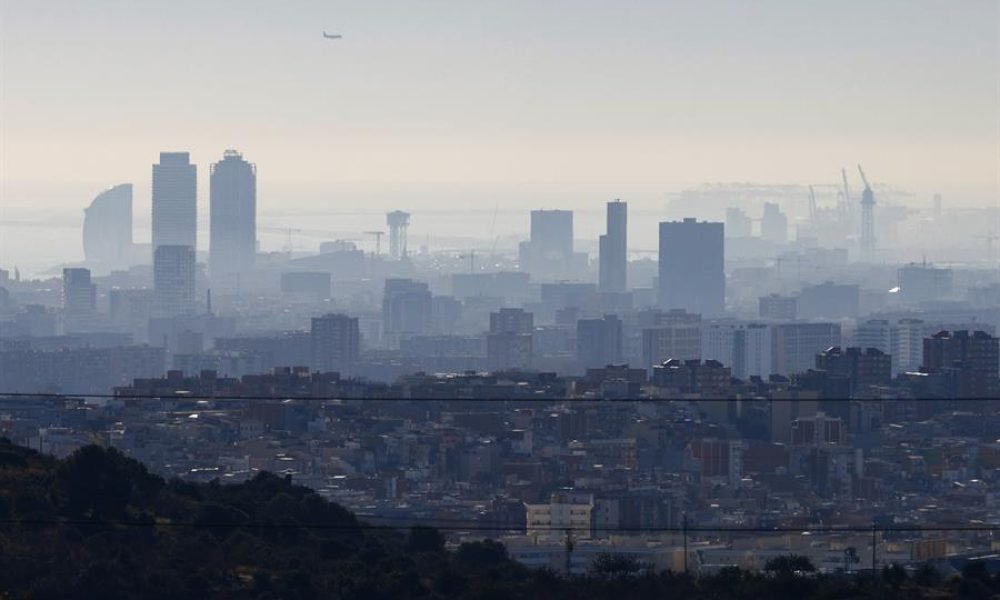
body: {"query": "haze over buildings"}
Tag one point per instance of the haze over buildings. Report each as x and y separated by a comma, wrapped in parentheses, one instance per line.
(612, 267)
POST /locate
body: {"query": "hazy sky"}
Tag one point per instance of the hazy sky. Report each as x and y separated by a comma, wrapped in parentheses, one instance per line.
(656, 93)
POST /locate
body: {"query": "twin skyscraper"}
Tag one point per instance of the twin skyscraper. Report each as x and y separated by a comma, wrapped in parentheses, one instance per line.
(233, 226)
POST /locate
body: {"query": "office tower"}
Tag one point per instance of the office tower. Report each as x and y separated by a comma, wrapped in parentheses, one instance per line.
(744, 347)
(738, 224)
(875, 333)
(692, 267)
(336, 342)
(773, 224)
(509, 344)
(446, 314)
(978, 351)
(794, 346)
(79, 294)
(549, 252)
(664, 343)
(173, 280)
(969, 362)
(406, 309)
(552, 232)
(710, 378)
(599, 341)
(511, 320)
(668, 335)
(107, 228)
(819, 429)
(923, 283)
(779, 308)
(233, 224)
(864, 368)
(907, 347)
(130, 310)
(175, 204)
(613, 251)
(79, 299)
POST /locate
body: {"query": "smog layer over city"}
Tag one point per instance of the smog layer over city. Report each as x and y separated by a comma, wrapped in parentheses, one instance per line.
(500, 299)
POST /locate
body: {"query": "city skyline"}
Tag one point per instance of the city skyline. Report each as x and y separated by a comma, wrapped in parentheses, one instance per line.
(509, 298)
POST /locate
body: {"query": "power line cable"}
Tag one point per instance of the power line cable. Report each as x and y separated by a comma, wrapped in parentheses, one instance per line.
(429, 523)
(373, 398)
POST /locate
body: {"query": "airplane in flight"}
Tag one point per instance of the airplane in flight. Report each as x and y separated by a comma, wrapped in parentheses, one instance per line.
(332, 36)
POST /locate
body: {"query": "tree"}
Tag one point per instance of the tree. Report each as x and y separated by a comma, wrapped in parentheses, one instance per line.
(975, 569)
(608, 565)
(927, 576)
(894, 575)
(790, 564)
(425, 540)
(480, 555)
(100, 483)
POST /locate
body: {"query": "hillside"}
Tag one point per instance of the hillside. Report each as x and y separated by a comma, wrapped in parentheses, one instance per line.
(99, 525)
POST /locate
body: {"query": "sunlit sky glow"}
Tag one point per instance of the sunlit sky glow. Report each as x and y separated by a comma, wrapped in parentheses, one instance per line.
(534, 92)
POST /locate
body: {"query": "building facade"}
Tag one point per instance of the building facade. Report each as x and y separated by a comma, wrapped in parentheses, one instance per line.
(233, 224)
(336, 342)
(173, 280)
(107, 229)
(692, 267)
(175, 201)
(613, 250)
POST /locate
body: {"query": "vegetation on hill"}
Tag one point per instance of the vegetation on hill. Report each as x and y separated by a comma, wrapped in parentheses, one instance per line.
(99, 525)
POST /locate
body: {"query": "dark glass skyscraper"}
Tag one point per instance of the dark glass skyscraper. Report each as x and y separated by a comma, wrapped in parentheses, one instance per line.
(175, 201)
(692, 266)
(613, 251)
(233, 208)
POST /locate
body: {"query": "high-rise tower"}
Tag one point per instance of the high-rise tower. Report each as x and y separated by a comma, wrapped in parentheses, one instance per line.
(692, 266)
(175, 201)
(107, 228)
(79, 299)
(233, 199)
(613, 251)
(173, 280)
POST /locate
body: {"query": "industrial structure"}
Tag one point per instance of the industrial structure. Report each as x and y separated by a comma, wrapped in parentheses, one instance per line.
(398, 222)
(867, 219)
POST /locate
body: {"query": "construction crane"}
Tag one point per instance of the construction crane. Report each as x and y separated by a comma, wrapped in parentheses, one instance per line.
(378, 240)
(845, 206)
(867, 217)
(812, 205)
(288, 239)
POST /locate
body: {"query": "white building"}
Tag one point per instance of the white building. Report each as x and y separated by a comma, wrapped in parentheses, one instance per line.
(564, 511)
